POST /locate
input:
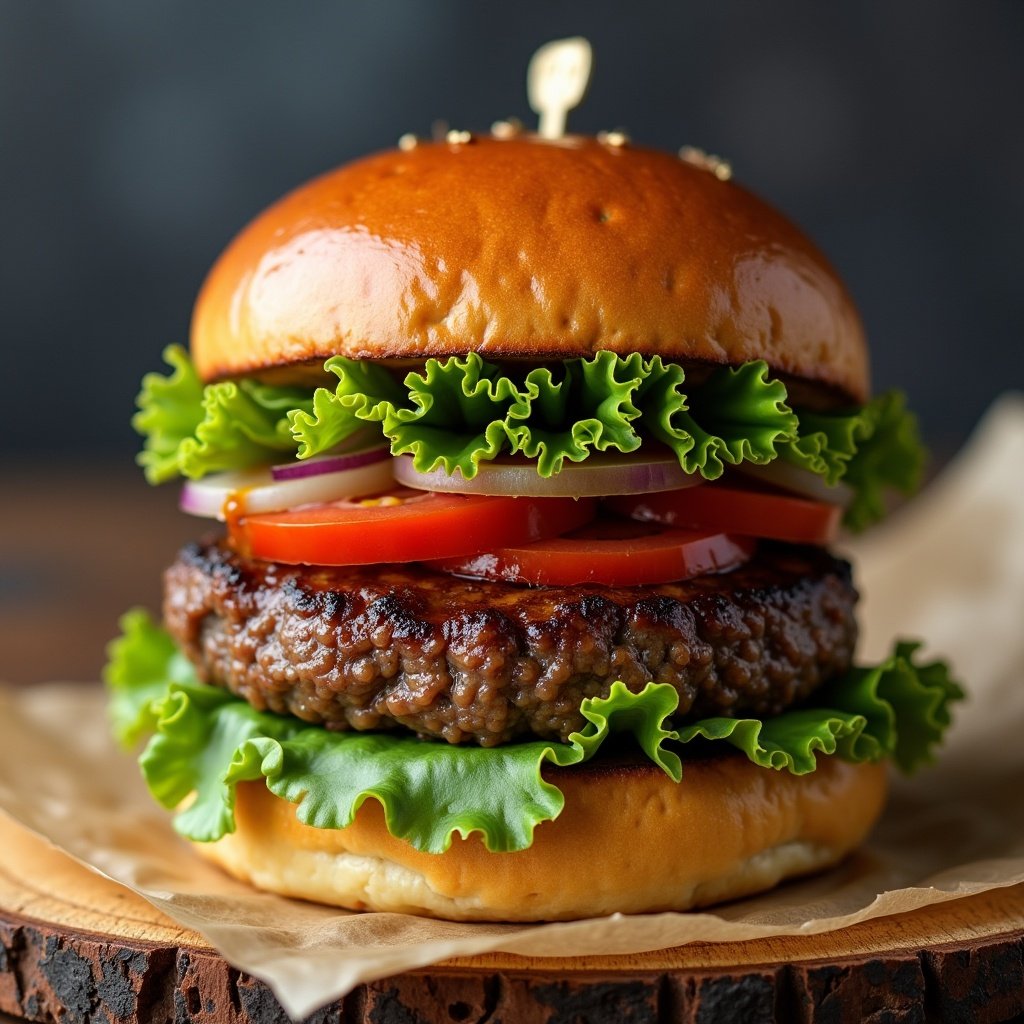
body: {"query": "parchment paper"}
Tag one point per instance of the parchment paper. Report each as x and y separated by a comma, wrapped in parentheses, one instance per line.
(949, 568)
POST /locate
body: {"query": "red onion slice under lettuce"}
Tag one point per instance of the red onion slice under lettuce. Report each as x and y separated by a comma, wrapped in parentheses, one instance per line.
(336, 463)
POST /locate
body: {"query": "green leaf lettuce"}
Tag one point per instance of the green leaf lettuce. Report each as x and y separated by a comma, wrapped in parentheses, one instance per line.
(205, 741)
(192, 430)
(872, 449)
(464, 410)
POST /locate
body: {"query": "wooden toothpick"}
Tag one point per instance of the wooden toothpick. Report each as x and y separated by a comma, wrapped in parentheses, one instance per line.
(556, 81)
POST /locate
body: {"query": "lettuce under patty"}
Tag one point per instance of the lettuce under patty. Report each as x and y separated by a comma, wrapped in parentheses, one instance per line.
(465, 410)
(203, 741)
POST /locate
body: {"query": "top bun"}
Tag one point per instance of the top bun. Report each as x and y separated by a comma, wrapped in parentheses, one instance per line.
(528, 249)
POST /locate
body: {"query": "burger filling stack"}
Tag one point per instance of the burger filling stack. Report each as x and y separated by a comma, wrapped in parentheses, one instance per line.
(528, 454)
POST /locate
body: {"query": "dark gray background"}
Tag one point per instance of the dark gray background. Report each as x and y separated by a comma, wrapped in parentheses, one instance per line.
(136, 137)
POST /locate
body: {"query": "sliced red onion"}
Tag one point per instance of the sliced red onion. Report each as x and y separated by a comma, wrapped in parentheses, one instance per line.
(256, 491)
(330, 463)
(598, 476)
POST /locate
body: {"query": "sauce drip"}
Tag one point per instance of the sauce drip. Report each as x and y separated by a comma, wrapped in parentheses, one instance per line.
(233, 512)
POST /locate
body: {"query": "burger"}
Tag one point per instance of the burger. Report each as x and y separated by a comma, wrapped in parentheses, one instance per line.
(529, 454)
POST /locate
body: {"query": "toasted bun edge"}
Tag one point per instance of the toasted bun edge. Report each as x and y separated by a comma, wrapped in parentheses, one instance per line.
(629, 841)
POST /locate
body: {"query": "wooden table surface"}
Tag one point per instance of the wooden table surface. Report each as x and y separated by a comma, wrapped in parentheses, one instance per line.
(80, 545)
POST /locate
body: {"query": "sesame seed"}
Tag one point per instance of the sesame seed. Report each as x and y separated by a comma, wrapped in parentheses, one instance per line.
(507, 128)
(715, 165)
(617, 138)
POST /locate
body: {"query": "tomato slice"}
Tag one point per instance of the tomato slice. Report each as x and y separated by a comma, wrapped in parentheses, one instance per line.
(737, 508)
(612, 551)
(404, 526)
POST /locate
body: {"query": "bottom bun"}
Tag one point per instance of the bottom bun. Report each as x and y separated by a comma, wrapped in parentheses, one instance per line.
(629, 840)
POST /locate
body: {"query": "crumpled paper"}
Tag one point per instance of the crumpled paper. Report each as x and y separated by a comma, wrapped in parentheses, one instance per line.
(949, 568)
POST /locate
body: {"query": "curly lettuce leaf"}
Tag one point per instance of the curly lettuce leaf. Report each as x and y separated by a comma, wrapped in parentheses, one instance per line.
(455, 415)
(205, 741)
(430, 791)
(905, 705)
(333, 416)
(891, 456)
(589, 407)
(895, 709)
(871, 450)
(793, 739)
(451, 415)
(191, 430)
(199, 732)
(464, 410)
(141, 663)
(826, 443)
(170, 409)
(736, 415)
(426, 789)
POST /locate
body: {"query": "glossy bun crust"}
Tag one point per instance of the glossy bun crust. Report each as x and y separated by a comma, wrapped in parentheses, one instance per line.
(629, 840)
(527, 249)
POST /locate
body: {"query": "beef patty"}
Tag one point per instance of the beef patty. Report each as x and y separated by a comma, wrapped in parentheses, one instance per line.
(380, 647)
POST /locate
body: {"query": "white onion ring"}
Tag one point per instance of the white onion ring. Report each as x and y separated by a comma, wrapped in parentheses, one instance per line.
(781, 473)
(598, 476)
(257, 491)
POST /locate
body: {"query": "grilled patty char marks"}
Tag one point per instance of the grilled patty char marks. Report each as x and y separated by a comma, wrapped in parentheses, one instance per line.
(380, 647)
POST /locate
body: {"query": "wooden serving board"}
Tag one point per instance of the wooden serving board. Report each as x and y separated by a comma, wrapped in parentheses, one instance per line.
(76, 948)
